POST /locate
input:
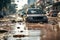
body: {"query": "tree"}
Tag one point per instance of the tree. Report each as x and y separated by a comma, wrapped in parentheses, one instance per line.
(3, 7)
(4, 3)
(32, 6)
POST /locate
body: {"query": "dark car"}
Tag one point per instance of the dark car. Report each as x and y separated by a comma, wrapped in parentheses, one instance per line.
(35, 15)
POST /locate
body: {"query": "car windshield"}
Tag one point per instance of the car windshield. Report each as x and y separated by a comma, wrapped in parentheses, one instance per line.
(35, 11)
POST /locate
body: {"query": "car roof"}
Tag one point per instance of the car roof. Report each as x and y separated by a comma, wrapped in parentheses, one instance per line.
(33, 8)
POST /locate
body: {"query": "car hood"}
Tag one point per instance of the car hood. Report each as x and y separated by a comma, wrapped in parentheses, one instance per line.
(35, 15)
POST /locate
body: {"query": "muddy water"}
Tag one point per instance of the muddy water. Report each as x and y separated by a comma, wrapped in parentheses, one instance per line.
(33, 35)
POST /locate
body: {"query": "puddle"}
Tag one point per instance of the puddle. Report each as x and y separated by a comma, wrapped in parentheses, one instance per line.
(33, 35)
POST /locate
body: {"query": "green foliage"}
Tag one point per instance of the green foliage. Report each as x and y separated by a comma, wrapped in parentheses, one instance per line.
(3, 3)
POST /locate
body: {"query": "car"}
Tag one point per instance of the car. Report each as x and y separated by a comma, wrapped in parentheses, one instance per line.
(53, 13)
(35, 15)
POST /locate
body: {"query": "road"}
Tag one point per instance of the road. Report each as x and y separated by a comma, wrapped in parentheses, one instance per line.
(49, 31)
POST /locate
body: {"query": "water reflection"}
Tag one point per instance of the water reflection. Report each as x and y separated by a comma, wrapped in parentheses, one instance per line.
(33, 35)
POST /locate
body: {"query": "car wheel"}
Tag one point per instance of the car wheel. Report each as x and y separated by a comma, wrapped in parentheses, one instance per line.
(41, 22)
(45, 21)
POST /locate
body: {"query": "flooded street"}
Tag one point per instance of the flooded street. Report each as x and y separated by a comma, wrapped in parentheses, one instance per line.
(29, 19)
(33, 35)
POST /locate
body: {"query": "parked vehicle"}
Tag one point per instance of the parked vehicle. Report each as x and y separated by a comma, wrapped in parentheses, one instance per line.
(36, 15)
(53, 13)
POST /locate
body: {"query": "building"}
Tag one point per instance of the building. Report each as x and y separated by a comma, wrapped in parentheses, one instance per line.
(51, 1)
(19, 3)
(30, 2)
(56, 1)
